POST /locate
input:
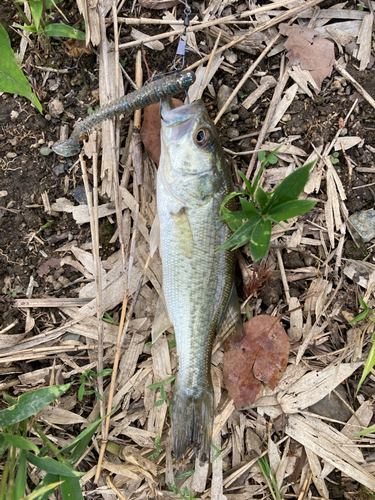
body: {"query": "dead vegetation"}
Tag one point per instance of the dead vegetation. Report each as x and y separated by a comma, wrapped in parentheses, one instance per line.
(311, 451)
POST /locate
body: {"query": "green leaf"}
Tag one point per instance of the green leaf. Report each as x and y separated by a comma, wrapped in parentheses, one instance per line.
(230, 196)
(21, 478)
(70, 488)
(262, 198)
(241, 236)
(105, 372)
(159, 402)
(363, 303)
(52, 466)
(249, 209)
(156, 385)
(233, 219)
(12, 79)
(162, 393)
(291, 209)
(81, 391)
(360, 316)
(370, 362)
(44, 492)
(20, 442)
(81, 442)
(31, 403)
(59, 29)
(247, 182)
(36, 7)
(262, 156)
(170, 379)
(28, 29)
(49, 3)
(290, 188)
(369, 430)
(260, 239)
(185, 475)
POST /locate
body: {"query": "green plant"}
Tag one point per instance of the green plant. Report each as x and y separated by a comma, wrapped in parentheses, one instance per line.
(15, 423)
(269, 477)
(370, 361)
(109, 319)
(163, 394)
(184, 493)
(262, 209)
(217, 454)
(89, 377)
(42, 24)
(158, 449)
(12, 78)
(335, 158)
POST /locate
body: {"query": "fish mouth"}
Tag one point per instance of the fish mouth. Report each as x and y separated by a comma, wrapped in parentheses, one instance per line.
(176, 116)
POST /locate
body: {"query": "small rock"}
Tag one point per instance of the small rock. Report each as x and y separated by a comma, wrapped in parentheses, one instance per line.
(231, 57)
(45, 151)
(59, 169)
(79, 194)
(336, 85)
(332, 407)
(232, 133)
(222, 97)
(14, 115)
(343, 131)
(364, 222)
(13, 141)
(48, 117)
(55, 108)
(286, 118)
(11, 155)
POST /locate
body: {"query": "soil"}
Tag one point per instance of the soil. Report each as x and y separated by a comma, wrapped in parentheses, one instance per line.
(25, 244)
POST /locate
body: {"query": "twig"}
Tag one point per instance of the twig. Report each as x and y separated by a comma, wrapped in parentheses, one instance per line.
(93, 211)
(283, 275)
(205, 82)
(283, 79)
(258, 10)
(245, 77)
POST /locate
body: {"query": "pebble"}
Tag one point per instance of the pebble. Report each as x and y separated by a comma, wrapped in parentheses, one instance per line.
(55, 108)
(364, 222)
(14, 115)
(59, 169)
(222, 97)
(232, 133)
(11, 155)
(231, 57)
(286, 118)
(79, 194)
(343, 131)
(45, 151)
(336, 85)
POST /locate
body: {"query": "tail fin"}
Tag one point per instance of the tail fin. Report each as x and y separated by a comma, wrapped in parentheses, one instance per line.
(192, 420)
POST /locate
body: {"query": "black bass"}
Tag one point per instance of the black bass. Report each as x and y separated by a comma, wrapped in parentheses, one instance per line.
(199, 296)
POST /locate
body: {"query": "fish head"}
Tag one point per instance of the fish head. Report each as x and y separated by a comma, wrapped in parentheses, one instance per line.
(192, 161)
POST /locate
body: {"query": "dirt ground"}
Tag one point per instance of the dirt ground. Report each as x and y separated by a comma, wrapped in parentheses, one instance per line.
(30, 236)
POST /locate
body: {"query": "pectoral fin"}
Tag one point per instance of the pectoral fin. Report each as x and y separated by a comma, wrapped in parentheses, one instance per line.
(183, 233)
(161, 321)
(230, 320)
(155, 236)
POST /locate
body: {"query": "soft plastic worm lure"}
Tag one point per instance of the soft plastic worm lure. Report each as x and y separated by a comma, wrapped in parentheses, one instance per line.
(151, 93)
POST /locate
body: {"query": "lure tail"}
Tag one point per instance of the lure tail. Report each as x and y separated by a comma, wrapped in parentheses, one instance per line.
(192, 420)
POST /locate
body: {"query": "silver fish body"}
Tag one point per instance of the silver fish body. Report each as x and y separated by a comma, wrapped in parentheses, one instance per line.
(193, 180)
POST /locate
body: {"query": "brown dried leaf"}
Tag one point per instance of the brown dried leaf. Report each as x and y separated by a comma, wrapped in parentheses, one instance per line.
(257, 360)
(150, 130)
(158, 4)
(314, 54)
(48, 265)
(75, 48)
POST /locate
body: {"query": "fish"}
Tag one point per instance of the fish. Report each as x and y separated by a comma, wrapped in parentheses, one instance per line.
(199, 297)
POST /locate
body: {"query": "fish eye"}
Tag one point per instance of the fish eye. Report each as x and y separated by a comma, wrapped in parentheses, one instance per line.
(202, 137)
